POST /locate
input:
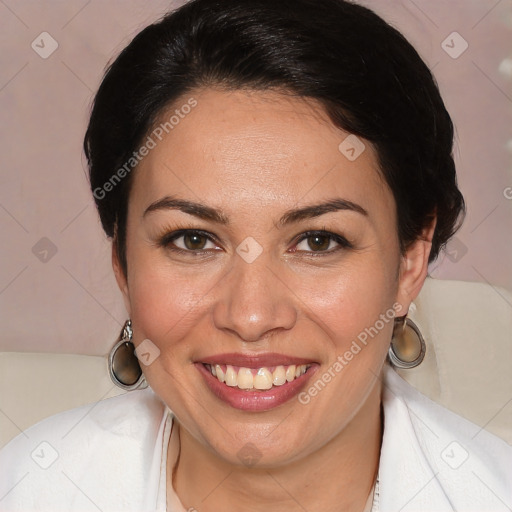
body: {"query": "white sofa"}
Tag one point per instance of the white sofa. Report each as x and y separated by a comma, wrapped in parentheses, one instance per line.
(467, 368)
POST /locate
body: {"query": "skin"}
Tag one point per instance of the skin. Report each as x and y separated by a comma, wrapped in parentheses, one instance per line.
(255, 155)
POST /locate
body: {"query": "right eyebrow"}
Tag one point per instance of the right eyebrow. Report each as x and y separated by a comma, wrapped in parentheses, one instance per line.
(196, 209)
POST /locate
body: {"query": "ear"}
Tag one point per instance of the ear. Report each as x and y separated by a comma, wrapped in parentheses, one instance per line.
(121, 279)
(413, 268)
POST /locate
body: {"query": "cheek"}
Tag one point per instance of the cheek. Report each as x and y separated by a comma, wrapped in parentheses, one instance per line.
(165, 301)
(351, 300)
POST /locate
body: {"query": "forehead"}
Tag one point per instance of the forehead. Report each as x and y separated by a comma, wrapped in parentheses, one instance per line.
(235, 147)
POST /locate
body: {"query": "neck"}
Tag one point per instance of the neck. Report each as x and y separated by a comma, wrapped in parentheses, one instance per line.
(338, 476)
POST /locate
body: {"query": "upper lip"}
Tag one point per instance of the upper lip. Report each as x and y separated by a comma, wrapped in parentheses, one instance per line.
(254, 361)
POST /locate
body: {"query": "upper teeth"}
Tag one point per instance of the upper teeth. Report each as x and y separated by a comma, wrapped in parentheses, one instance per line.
(256, 378)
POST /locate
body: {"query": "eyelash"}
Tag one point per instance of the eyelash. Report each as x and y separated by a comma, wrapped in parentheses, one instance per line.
(166, 240)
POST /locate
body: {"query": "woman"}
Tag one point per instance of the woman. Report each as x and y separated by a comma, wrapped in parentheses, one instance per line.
(275, 177)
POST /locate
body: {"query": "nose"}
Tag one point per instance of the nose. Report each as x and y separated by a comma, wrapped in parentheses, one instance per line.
(254, 302)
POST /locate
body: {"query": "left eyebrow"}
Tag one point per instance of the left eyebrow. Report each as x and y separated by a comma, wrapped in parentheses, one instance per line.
(315, 210)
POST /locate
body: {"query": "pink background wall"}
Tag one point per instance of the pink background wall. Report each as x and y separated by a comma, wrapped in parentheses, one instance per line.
(57, 290)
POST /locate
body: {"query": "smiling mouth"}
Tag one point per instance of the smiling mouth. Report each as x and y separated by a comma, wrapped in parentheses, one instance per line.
(251, 379)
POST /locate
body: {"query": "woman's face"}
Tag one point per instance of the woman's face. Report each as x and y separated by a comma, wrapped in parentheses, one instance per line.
(250, 174)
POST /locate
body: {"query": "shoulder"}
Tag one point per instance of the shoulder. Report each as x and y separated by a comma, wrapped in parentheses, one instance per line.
(451, 456)
(76, 455)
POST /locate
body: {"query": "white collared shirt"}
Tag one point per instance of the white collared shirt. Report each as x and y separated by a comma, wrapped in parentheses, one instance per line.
(111, 456)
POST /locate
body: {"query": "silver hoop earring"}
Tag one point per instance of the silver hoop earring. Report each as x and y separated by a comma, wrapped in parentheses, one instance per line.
(123, 366)
(407, 348)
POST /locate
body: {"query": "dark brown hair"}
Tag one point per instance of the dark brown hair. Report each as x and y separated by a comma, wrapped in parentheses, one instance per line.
(369, 79)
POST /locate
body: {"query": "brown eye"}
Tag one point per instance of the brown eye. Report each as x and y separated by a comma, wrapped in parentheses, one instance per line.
(321, 242)
(318, 242)
(188, 241)
(194, 241)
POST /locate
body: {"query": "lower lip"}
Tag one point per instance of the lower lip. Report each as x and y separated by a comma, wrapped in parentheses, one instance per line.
(255, 401)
